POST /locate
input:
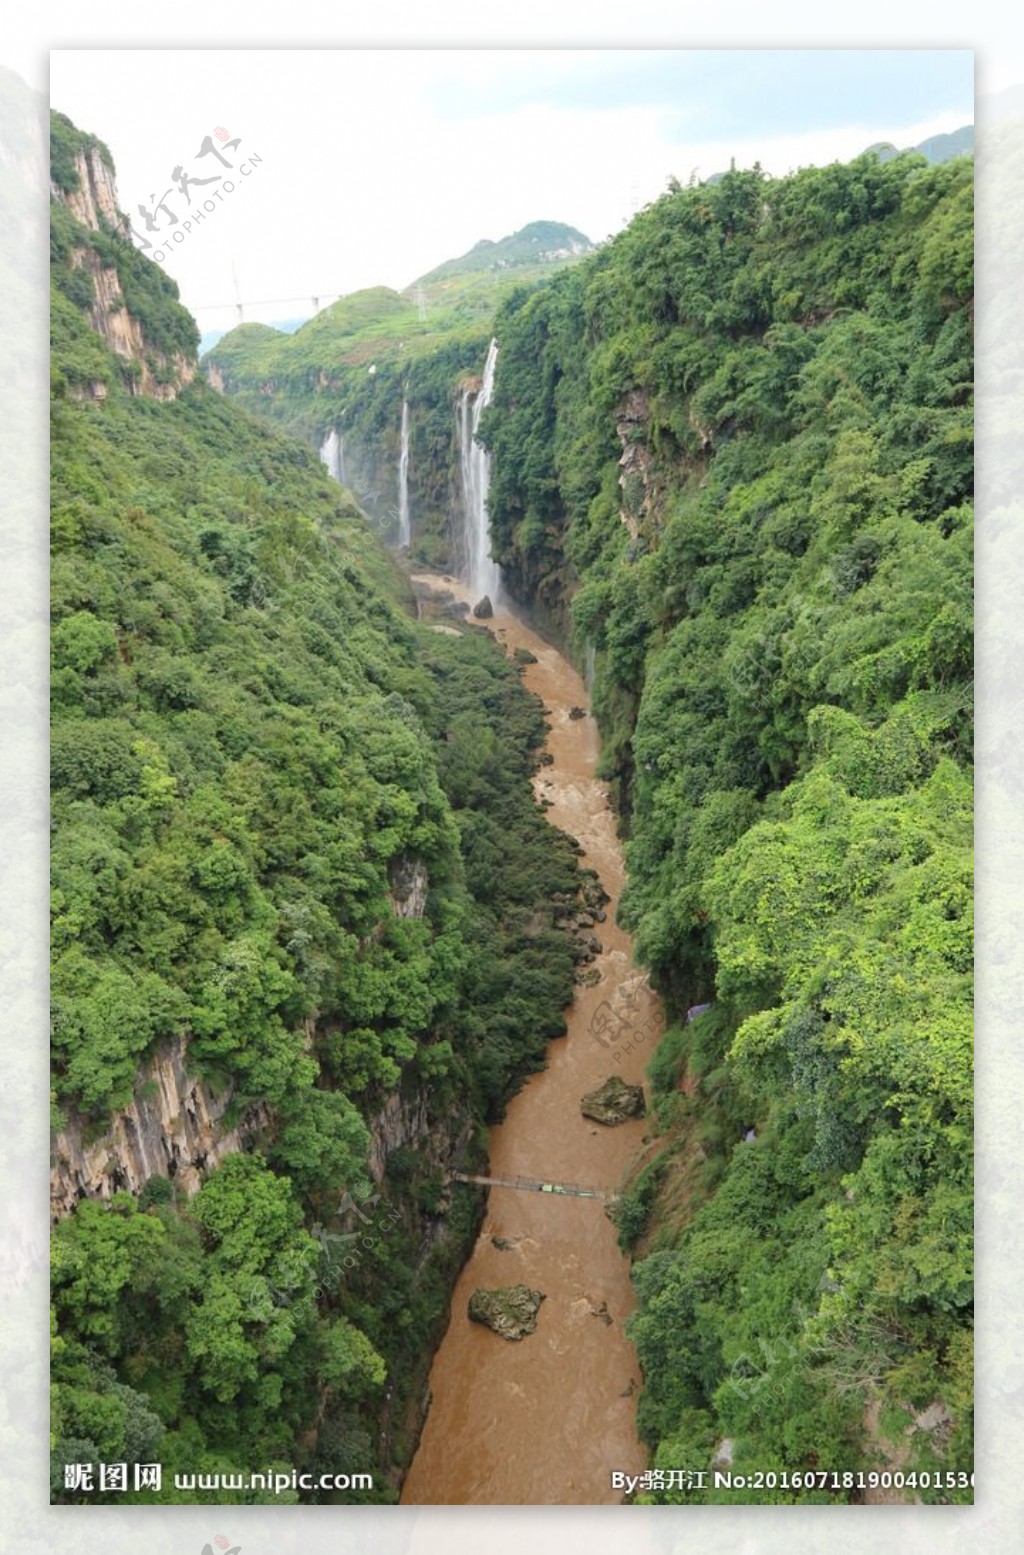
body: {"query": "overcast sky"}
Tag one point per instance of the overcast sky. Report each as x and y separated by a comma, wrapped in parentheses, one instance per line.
(377, 165)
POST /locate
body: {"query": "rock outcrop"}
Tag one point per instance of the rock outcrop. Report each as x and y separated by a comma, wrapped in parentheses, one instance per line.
(510, 1311)
(93, 204)
(635, 464)
(174, 1126)
(156, 375)
(483, 609)
(409, 885)
(613, 1102)
(403, 1123)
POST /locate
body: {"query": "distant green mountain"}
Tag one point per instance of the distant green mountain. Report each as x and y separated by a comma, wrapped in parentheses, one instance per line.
(210, 337)
(540, 242)
(937, 148)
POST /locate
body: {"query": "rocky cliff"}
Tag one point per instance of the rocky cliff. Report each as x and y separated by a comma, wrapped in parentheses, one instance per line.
(153, 373)
(92, 195)
(635, 464)
(97, 266)
(178, 1127)
(175, 1126)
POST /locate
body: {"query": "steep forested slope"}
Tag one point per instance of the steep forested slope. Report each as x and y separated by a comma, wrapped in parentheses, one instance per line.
(294, 831)
(732, 454)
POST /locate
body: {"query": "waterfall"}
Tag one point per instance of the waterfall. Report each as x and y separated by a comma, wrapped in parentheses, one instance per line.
(481, 573)
(332, 453)
(404, 523)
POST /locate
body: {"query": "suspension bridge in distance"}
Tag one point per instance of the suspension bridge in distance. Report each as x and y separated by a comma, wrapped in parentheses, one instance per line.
(567, 1190)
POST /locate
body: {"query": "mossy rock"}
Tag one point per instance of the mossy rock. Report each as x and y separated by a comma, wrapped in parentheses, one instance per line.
(510, 1311)
(613, 1102)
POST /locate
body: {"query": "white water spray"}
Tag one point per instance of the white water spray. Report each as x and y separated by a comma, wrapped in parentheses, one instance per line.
(404, 521)
(332, 453)
(482, 573)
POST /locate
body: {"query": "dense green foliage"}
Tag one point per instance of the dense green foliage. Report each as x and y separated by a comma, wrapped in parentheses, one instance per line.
(295, 831)
(733, 450)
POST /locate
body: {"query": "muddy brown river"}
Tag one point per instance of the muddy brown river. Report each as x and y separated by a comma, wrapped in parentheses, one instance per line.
(546, 1419)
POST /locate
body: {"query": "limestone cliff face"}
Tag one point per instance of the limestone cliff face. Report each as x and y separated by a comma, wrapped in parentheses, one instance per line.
(409, 884)
(635, 479)
(94, 205)
(125, 336)
(94, 202)
(174, 1127)
(402, 1123)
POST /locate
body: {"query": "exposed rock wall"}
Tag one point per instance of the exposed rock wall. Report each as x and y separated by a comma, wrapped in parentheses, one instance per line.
(635, 465)
(174, 1127)
(124, 334)
(94, 202)
(94, 205)
(402, 1123)
(409, 885)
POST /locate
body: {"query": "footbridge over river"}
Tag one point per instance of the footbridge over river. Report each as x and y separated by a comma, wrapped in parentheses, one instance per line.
(569, 1190)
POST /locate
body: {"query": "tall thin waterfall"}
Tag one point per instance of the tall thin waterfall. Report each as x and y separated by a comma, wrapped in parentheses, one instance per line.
(404, 522)
(332, 453)
(482, 574)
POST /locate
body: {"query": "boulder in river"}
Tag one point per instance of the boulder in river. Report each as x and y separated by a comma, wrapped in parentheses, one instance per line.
(510, 1311)
(483, 609)
(613, 1102)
